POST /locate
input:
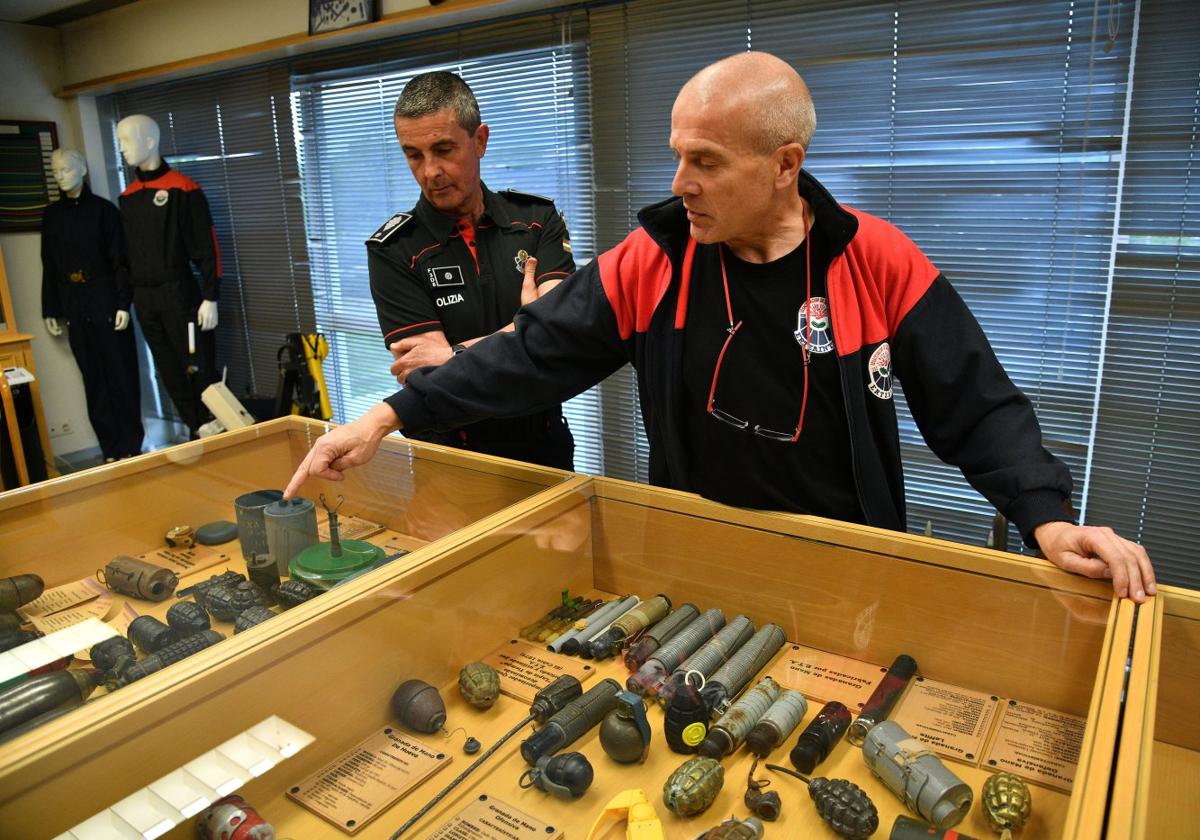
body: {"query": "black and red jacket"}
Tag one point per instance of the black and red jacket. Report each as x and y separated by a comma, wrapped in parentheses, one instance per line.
(168, 227)
(892, 311)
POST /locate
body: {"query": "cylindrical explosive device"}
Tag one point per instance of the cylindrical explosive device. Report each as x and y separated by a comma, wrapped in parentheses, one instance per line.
(906, 828)
(252, 530)
(819, 738)
(150, 635)
(711, 655)
(262, 571)
(596, 623)
(728, 733)
(44, 694)
(917, 776)
(774, 727)
(658, 668)
(291, 527)
(579, 716)
(625, 626)
(133, 671)
(138, 579)
(732, 677)
(19, 590)
(883, 698)
(659, 634)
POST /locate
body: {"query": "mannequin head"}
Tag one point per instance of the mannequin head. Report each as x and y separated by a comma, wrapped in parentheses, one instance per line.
(137, 137)
(68, 167)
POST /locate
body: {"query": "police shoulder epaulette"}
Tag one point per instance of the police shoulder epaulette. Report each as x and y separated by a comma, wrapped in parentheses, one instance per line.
(388, 228)
(534, 196)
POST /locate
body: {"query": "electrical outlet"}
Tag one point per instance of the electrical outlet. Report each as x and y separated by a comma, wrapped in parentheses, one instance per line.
(60, 429)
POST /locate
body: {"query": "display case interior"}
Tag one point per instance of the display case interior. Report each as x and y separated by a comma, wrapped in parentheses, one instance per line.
(984, 629)
(1157, 783)
(67, 533)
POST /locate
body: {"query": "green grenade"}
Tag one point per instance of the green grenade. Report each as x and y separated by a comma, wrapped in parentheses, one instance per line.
(694, 786)
(479, 684)
(1006, 803)
(735, 829)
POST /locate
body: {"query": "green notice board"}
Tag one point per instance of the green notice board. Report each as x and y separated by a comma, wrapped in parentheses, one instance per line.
(26, 182)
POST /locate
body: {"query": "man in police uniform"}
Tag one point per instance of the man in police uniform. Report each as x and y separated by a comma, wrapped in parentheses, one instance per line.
(452, 271)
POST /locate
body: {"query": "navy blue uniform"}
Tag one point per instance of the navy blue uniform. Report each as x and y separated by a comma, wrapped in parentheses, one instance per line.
(432, 272)
(84, 283)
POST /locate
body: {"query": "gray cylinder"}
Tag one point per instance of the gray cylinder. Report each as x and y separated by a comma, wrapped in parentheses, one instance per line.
(917, 776)
(252, 532)
(711, 655)
(774, 727)
(291, 527)
(728, 733)
(749, 659)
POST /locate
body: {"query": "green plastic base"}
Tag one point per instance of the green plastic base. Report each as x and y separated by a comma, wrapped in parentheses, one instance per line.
(318, 567)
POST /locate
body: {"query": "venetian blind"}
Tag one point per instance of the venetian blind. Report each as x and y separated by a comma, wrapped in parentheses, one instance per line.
(1145, 478)
(232, 134)
(530, 77)
(987, 131)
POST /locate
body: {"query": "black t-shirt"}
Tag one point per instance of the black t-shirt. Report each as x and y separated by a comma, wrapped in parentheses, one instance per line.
(762, 381)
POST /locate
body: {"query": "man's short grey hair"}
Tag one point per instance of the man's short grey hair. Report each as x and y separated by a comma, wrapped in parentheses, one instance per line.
(790, 119)
(429, 93)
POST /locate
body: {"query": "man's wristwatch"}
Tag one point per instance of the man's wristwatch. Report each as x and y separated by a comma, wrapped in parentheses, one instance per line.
(458, 348)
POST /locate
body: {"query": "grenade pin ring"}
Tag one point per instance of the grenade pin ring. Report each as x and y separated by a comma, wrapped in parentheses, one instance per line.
(687, 675)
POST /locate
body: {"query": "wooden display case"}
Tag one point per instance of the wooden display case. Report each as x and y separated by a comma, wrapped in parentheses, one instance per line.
(1156, 789)
(1012, 627)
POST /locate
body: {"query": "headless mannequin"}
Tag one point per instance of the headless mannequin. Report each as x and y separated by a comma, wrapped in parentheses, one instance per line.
(86, 294)
(69, 169)
(138, 138)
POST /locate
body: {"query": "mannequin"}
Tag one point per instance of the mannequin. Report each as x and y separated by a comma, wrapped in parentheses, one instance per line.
(169, 229)
(85, 290)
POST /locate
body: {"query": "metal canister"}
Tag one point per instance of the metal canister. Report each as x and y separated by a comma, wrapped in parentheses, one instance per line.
(291, 527)
(252, 532)
(137, 578)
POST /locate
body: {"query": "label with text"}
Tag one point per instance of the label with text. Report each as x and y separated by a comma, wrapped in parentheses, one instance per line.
(488, 818)
(526, 669)
(1036, 743)
(951, 721)
(826, 677)
(100, 607)
(185, 561)
(364, 782)
(63, 597)
(349, 527)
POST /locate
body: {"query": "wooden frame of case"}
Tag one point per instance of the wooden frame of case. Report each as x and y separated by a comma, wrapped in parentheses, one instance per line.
(1157, 777)
(974, 617)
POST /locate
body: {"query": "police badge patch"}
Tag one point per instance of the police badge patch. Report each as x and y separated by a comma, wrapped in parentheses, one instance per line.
(441, 276)
(388, 228)
(161, 197)
(813, 319)
(879, 372)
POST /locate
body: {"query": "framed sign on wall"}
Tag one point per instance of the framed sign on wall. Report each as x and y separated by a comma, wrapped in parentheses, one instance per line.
(331, 15)
(26, 181)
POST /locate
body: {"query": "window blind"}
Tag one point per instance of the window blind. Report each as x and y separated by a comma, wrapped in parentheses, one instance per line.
(232, 134)
(531, 80)
(987, 131)
(1145, 478)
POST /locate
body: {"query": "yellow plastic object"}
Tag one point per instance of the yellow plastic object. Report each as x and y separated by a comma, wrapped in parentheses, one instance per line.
(316, 348)
(642, 822)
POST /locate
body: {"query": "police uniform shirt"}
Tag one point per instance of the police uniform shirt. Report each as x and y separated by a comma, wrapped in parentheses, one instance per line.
(431, 272)
(83, 259)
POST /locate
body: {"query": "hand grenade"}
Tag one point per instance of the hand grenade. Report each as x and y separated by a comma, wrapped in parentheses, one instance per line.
(845, 806)
(734, 829)
(694, 786)
(1006, 803)
(479, 684)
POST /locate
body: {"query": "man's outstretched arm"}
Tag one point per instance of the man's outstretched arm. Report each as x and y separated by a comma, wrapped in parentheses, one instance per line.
(344, 447)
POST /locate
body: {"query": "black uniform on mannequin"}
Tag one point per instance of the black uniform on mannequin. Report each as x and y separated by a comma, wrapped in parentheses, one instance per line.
(85, 286)
(168, 228)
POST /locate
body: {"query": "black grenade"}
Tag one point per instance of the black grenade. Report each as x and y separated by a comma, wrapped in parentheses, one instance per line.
(694, 786)
(226, 603)
(105, 655)
(418, 706)
(845, 807)
(251, 618)
(187, 618)
(293, 593)
(735, 829)
(479, 684)
(149, 635)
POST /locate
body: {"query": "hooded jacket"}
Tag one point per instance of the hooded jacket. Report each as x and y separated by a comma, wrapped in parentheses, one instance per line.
(893, 314)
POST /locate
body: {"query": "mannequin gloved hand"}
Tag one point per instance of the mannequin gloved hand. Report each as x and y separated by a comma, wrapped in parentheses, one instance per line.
(121, 320)
(53, 327)
(207, 316)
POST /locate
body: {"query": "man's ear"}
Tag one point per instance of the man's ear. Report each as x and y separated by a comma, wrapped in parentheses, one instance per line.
(481, 138)
(788, 161)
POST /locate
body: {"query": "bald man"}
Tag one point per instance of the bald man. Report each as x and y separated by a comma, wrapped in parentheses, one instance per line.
(765, 322)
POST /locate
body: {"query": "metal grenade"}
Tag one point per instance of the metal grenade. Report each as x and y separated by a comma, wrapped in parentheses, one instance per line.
(251, 618)
(293, 593)
(845, 807)
(625, 732)
(1006, 804)
(418, 706)
(734, 829)
(694, 786)
(479, 684)
(187, 618)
